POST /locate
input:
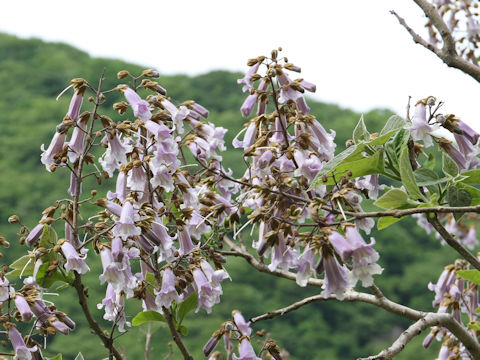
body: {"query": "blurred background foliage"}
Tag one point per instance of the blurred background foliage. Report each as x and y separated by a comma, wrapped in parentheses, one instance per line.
(33, 73)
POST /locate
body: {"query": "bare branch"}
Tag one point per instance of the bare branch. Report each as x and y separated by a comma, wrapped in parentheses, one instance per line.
(82, 298)
(448, 52)
(175, 335)
(416, 329)
(398, 213)
(453, 243)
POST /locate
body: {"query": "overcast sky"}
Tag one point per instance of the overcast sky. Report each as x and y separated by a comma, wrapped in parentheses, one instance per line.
(355, 51)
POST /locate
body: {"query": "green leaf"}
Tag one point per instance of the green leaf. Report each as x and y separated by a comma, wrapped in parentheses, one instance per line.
(347, 155)
(407, 176)
(48, 240)
(475, 325)
(430, 163)
(183, 330)
(57, 357)
(365, 166)
(458, 197)
(426, 177)
(386, 221)
(360, 133)
(23, 266)
(473, 191)
(185, 307)
(449, 167)
(395, 199)
(470, 275)
(46, 281)
(396, 144)
(151, 280)
(79, 356)
(473, 176)
(146, 316)
(394, 123)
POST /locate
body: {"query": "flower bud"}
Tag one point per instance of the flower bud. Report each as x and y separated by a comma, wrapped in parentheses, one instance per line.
(14, 219)
(122, 74)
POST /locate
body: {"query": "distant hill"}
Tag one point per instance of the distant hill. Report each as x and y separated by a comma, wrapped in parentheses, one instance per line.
(33, 73)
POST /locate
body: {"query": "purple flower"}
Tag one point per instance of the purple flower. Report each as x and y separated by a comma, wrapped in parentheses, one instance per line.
(186, 244)
(200, 109)
(211, 343)
(454, 154)
(162, 177)
(35, 234)
(246, 351)
(336, 275)
(160, 131)
(247, 78)
(370, 183)
(76, 144)
(4, 289)
(167, 293)
(322, 141)
(115, 155)
(308, 86)
(177, 115)
(287, 92)
(242, 325)
(22, 352)
(48, 156)
(74, 261)
(248, 105)
(118, 274)
(75, 105)
(364, 257)
(248, 139)
(23, 307)
(46, 317)
(125, 227)
(420, 129)
(114, 308)
(139, 106)
(341, 245)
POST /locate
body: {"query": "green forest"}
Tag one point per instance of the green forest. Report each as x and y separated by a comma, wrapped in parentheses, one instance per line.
(33, 73)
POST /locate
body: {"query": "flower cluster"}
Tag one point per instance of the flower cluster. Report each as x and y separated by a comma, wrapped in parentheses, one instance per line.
(456, 296)
(287, 148)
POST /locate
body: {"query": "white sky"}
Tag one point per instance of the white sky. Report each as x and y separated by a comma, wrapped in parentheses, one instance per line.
(354, 51)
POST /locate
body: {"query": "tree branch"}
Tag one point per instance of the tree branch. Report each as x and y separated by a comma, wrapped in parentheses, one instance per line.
(416, 329)
(238, 252)
(442, 319)
(398, 213)
(453, 243)
(82, 298)
(175, 335)
(448, 52)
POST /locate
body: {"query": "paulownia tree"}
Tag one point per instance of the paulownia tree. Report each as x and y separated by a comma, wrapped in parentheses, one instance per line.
(164, 235)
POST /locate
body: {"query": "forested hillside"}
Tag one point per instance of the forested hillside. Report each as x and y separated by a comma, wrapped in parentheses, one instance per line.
(33, 73)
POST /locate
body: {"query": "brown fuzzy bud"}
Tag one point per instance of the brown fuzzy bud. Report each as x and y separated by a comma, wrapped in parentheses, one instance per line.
(150, 73)
(122, 74)
(14, 219)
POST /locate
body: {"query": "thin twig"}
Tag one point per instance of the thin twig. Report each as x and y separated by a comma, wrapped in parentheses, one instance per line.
(448, 52)
(175, 335)
(82, 298)
(398, 213)
(453, 243)
(148, 339)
